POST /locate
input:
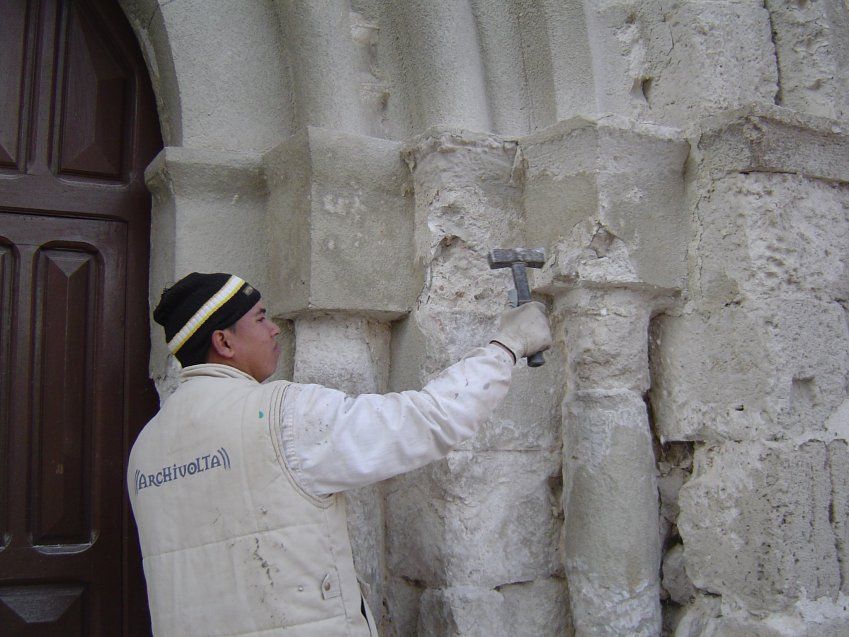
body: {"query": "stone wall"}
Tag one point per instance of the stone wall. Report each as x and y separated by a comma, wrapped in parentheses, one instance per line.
(679, 465)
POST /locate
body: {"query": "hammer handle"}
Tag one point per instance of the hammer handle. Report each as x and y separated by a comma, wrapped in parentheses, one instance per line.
(523, 295)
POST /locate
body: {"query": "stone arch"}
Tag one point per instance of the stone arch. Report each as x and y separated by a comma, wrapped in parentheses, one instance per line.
(216, 72)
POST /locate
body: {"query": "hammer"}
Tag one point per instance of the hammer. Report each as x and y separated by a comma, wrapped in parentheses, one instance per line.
(517, 259)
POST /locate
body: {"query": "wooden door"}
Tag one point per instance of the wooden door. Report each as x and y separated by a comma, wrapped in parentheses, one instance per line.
(77, 128)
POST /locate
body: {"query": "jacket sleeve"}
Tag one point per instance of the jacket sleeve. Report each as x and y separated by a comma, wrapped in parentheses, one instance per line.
(333, 442)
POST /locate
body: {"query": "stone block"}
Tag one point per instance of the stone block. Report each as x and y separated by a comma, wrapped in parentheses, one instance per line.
(676, 584)
(341, 225)
(465, 204)
(461, 611)
(764, 235)
(529, 418)
(780, 514)
(692, 620)
(620, 178)
(620, 36)
(761, 137)
(214, 214)
(821, 618)
(812, 48)
(774, 370)
(465, 192)
(403, 600)
(704, 57)
(537, 608)
(480, 520)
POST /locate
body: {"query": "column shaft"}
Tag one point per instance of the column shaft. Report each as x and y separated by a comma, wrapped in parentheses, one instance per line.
(610, 502)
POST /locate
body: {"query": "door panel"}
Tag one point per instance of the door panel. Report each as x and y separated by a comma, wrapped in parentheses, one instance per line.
(66, 296)
(94, 117)
(77, 129)
(67, 353)
(7, 267)
(50, 610)
(13, 35)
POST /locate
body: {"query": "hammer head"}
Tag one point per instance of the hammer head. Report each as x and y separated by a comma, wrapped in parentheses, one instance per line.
(504, 258)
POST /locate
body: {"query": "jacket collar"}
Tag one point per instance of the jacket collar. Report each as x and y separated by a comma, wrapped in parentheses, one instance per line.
(214, 370)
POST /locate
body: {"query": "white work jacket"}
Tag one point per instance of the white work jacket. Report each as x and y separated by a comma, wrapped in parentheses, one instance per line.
(233, 486)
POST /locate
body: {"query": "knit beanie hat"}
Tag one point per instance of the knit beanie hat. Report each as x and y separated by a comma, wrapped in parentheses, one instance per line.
(197, 305)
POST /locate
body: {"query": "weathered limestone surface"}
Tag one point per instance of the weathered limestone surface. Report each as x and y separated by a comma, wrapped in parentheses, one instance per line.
(813, 55)
(716, 56)
(781, 508)
(460, 545)
(777, 370)
(464, 537)
(670, 62)
(534, 608)
(611, 567)
(619, 181)
(766, 340)
(675, 582)
(759, 381)
(322, 150)
(611, 527)
(341, 220)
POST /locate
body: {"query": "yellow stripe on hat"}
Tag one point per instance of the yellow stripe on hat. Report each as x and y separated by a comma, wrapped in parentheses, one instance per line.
(206, 310)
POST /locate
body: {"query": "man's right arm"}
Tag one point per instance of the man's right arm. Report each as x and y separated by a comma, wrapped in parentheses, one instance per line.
(333, 442)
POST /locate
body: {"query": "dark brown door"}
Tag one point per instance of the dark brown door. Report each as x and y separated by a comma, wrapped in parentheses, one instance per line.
(77, 128)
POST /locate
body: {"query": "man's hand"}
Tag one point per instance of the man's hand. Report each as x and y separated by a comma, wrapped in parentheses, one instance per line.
(524, 330)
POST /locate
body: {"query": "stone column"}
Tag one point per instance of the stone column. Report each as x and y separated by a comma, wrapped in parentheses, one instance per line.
(318, 40)
(341, 230)
(606, 198)
(472, 539)
(338, 206)
(812, 51)
(442, 63)
(610, 501)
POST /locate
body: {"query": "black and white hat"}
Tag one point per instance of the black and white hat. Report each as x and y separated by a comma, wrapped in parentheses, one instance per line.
(197, 305)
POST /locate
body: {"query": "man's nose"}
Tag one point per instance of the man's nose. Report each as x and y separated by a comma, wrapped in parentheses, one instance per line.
(275, 329)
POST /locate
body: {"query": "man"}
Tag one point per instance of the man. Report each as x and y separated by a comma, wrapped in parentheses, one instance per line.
(234, 484)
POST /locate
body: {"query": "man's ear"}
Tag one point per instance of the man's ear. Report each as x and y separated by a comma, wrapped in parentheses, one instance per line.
(221, 344)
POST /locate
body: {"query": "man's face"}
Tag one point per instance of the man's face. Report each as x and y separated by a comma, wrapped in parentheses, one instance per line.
(254, 343)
